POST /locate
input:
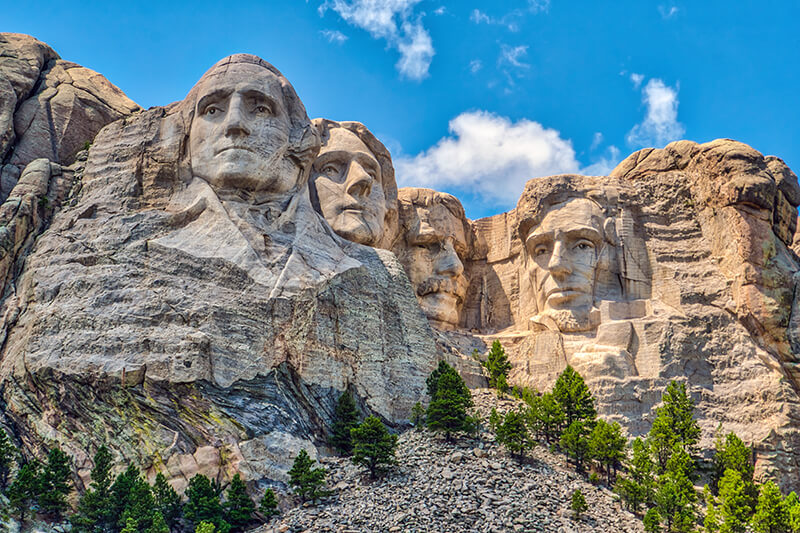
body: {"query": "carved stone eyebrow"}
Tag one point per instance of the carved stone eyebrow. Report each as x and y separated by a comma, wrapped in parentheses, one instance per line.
(214, 96)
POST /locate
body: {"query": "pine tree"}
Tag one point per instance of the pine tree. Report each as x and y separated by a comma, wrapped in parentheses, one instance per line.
(731, 453)
(205, 527)
(513, 434)
(139, 506)
(417, 415)
(373, 445)
(95, 507)
(432, 381)
(734, 503)
(239, 507)
(159, 524)
(54, 482)
(22, 492)
(607, 446)
(675, 496)
(131, 526)
(167, 501)
(578, 503)
(497, 364)
(575, 443)
(673, 425)
(447, 411)
(792, 504)
(120, 492)
(637, 488)
(203, 505)
(545, 417)
(771, 514)
(345, 418)
(269, 504)
(711, 520)
(652, 521)
(572, 394)
(501, 384)
(8, 454)
(307, 481)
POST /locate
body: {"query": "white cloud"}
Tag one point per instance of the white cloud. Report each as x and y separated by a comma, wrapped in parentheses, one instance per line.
(597, 140)
(637, 80)
(535, 6)
(667, 12)
(395, 22)
(475, 65)
(489, 155)
(660, 125)
(334, 36)
(441, 10)
(511, 19)
(513, 55)
(603, 165)
(477, 16)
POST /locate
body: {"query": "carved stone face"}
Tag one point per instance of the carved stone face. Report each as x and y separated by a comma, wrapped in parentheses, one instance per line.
(564, 251)
(431, 254)
(240, 131)
(347, 178)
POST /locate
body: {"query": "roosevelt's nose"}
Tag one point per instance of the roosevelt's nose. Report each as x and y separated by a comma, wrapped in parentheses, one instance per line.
(358, 182)
(235, 120)
(447, 262)
(559, 264)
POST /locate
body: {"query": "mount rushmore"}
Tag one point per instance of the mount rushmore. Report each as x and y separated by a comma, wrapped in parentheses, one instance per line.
(198, 289)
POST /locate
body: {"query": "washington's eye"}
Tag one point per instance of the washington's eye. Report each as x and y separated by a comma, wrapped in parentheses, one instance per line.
(211, 110)
(262, 109)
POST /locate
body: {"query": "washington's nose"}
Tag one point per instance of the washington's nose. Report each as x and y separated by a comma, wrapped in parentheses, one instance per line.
(358, 181)
(448, 263)
(559, 265)
(235, 121)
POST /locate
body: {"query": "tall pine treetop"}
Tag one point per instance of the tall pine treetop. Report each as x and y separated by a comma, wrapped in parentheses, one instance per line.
(571, 392)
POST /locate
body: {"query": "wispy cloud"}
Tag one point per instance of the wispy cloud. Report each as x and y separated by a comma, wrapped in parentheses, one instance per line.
(477, 16)
(597, 140)
(512, 55)
(395, 22)
(441, 10)
(637, 80)
(510, 20)
(660, 125)
(334, 36)
(475, 65)
(667, 11)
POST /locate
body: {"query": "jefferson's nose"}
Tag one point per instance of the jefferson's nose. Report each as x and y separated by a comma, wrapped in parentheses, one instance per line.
(447, 262)
(558, 264)
(235, 120)
(358, 181)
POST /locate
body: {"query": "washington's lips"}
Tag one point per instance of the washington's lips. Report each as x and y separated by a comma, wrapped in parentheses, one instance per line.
(227, 148)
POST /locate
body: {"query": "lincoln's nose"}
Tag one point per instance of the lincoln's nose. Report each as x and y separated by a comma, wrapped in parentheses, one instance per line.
(559, 265)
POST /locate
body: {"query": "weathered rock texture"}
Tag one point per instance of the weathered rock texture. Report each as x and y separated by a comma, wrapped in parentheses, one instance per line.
(693, 279)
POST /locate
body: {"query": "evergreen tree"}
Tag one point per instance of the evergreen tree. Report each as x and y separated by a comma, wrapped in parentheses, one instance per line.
(652, 521)
(674, 424)
(95, 507)
(501, 385)
(54, 483)
(22, 492)
(373, 445)
(307, 481)
(575, 443)
(417, 415)
(711, 520)
(497, 365)
(203, 505)
(447, 411)
(607, 446)
(167, 501)
(205, 527)
(513, 434)
(578, 503)
(269, 504)
(239, 507)
(771, 515)
(734, 503)
(8, 454)
(792, 504)
(730, 453)
(139, 506)
(159, 524)
(545, 417)
(637, 488)
(120, 492)
(574, 397)
(432, 381)
(675, 496)
(345, 418)
(131, 526)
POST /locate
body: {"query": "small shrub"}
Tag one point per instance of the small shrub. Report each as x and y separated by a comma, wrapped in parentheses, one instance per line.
(578, 503)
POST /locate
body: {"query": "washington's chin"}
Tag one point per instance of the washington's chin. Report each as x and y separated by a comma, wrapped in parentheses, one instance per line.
(441, 308)
(354, 226)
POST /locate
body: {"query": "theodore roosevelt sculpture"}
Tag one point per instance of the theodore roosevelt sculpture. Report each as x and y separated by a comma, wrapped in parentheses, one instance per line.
(353, 185)
(431, 246)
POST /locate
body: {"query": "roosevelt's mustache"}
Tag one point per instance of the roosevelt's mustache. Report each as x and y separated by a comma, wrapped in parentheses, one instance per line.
(452, 286)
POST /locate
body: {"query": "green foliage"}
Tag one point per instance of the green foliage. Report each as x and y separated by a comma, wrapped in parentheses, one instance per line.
(307, 481)
(345, 418)
(205, 527)
(239, 508)
(607, 447)
(675, 497)
(139, 506)
(159, 524)
(167, 501)
(731, 453)
(498, 366)
(594, 479)
(711, 520)
(203, 504)
(638, 487)
(120, 492)
(96, 507)
(545, 417)
(501, 385)
(495, 419)
(22, 492)
(417, 415)
(792, 504)
(734, 503)
(578, 503)
(373, 445)
(432, 381)
(269, 504)
(652, 521)
(572, 394)
(54, 483)
(513, 434)
(674, 424)
(447, 411)
(575, 443)
(131, 526)
(87, 145)
(771, 514)
(8, 454)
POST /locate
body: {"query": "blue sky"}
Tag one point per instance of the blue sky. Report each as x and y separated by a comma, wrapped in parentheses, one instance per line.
(473, 98)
